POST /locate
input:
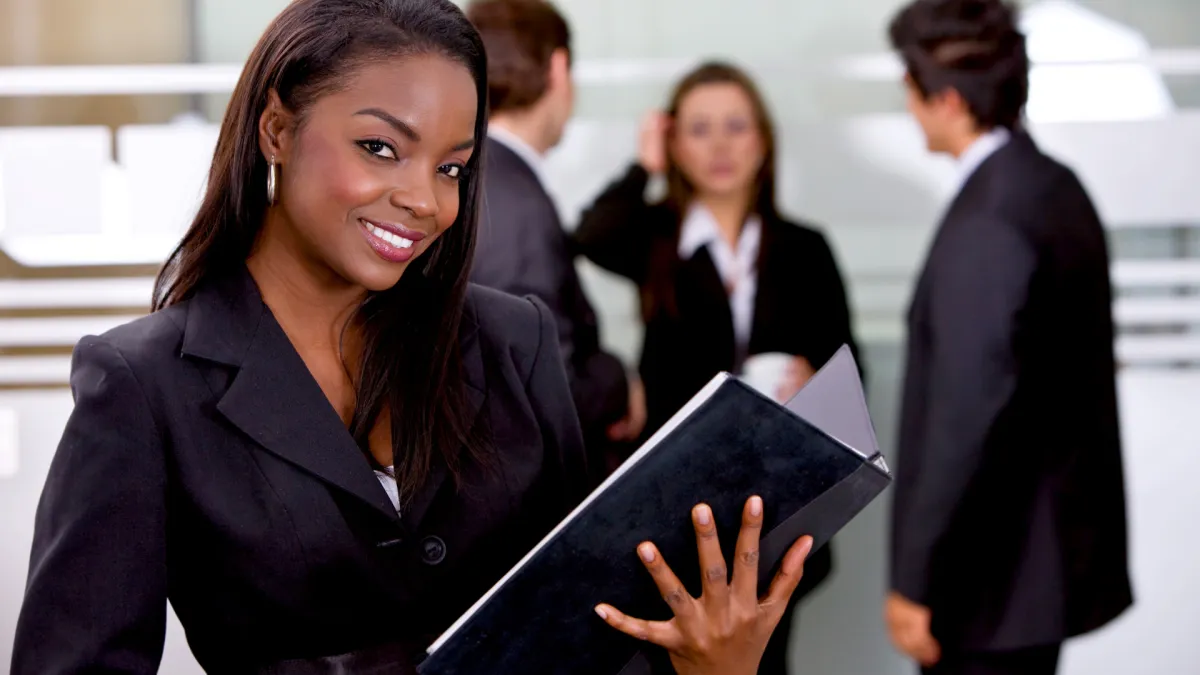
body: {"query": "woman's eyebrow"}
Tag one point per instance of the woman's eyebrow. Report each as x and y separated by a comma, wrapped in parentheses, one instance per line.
(392, 121)
(407, 130)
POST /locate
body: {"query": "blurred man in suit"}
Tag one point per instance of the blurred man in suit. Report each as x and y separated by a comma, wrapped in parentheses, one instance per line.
(522, 247)
(1009, 519)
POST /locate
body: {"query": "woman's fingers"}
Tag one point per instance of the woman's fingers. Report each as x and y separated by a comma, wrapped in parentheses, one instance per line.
(662, 633)
(745, 563)
(927, 652)
(713, 570)
(673, 591)
(652, 153)
(789, 575)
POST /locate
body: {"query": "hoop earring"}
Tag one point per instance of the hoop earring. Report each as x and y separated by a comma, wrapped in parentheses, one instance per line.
(272, 182)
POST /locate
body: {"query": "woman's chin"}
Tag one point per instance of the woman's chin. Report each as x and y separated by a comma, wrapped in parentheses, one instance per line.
(723, 189)
(378, 276)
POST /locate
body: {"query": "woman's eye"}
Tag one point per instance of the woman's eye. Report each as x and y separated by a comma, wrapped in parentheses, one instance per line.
(454, 171)
(379, 149)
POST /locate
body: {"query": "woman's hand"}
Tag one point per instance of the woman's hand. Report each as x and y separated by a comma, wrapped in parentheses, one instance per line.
(725, 631)
(630, 427)
(799, 371)
(909, 628)
(652, 145)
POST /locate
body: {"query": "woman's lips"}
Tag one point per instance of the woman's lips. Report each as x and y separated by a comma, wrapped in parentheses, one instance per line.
(394, 243)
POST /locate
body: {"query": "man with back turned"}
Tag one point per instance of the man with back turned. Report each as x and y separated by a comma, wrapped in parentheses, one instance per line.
(1008, 533)
(522, 247)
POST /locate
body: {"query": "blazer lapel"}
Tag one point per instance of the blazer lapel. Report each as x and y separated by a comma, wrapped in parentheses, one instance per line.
(702, 293)
(765, 301)
(273, 398)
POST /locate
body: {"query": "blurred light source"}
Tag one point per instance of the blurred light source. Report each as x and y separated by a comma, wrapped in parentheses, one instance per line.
(1089, 68)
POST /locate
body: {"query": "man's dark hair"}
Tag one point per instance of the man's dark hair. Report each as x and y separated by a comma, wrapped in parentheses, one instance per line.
(971, 46)
(520, 36)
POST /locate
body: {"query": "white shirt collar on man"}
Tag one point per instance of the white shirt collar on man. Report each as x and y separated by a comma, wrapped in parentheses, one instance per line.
(978, 152)
(738, 268)
(525, 151)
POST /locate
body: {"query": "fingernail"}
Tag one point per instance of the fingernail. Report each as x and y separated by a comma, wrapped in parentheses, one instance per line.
(807, 547)
(647, 552)
(704, 515)
(756, 506)
(600, 612)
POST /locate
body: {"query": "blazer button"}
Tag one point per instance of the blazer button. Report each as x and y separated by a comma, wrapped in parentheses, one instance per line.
(433, 550)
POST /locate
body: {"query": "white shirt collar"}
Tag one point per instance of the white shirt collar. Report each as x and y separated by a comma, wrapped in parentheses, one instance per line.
(737, 267)
(525, 151)
(979, 151)
(700, 229)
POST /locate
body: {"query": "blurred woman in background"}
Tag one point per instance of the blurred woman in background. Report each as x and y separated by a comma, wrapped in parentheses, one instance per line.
(723, 276)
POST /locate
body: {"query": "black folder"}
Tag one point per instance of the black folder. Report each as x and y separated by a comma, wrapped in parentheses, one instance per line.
(814, 461)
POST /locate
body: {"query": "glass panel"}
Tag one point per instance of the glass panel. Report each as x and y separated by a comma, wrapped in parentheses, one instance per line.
(851, 161)
(68, 32)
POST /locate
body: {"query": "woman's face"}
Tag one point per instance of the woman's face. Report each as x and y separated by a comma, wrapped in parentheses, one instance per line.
(370, 178)
(716, 141)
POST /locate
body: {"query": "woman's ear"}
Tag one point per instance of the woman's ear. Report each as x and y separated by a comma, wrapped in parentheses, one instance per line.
(275, 129)
(559, 76)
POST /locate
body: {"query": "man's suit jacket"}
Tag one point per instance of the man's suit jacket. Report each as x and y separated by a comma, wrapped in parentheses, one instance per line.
(203, 464)
(1009, 514)
(523, 250)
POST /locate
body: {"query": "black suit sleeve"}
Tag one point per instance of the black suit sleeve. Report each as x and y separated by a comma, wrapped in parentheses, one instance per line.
(535, 259)
(96, 597)
(550, 395)
(615, 231)
(526, 256)
(600, 388)
(977, 293)
(837, 320)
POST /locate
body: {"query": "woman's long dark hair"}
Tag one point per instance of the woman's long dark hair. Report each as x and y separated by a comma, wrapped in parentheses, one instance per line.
(660, 291)
(411, 361)
(680, 191)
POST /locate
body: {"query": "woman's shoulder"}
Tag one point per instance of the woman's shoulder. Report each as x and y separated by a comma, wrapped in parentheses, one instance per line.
(803, 235)
(796, 228)
(146, 343)
(135, 362)
(507, 323)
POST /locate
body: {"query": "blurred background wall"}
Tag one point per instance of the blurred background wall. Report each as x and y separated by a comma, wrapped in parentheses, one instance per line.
(100, 169)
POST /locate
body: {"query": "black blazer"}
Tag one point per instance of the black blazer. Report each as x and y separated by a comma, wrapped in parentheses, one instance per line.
(523, 250)
(800, 309)
(204, 465)
(1009, 515)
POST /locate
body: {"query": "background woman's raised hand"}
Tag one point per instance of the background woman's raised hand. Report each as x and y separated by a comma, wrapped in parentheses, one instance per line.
(725, 631)
(652, 143)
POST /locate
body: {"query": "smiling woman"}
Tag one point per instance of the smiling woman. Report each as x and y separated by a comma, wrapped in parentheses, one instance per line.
(323, 445)
(360, 118)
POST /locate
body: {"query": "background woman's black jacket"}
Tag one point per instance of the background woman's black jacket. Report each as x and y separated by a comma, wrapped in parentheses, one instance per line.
(800, 307)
